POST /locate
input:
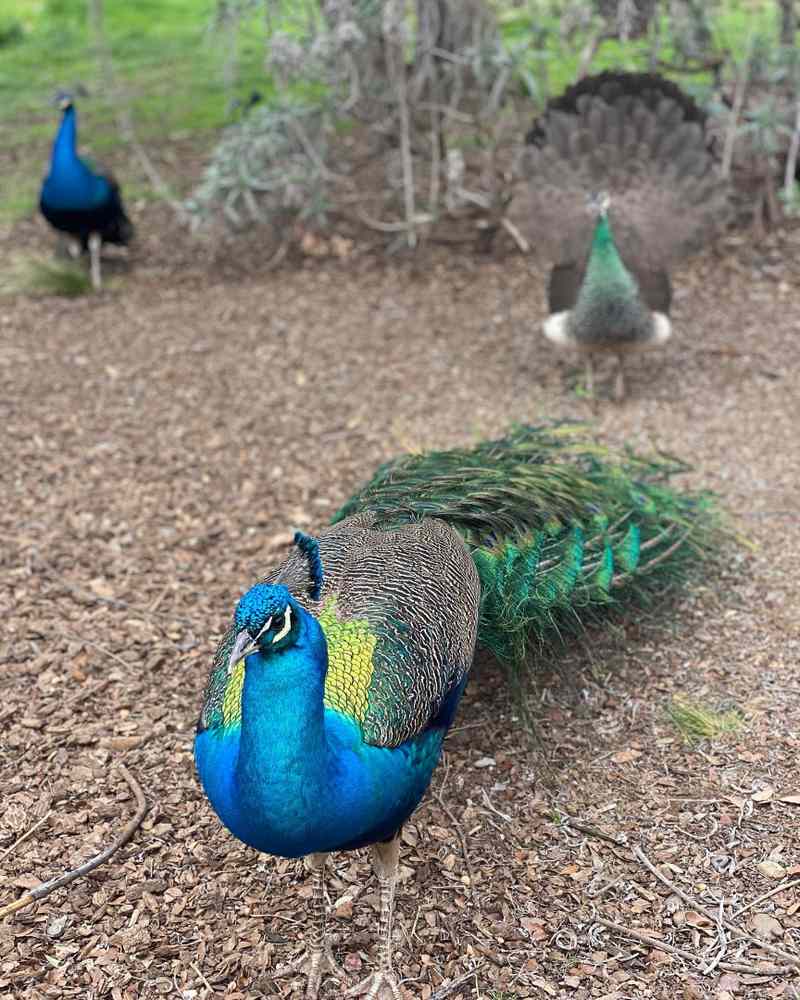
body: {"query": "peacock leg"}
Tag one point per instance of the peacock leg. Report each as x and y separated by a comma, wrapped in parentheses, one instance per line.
(589, 375)
(95, 242)
(383, 983)
(619, 381)
(67, 248)
(318, 957)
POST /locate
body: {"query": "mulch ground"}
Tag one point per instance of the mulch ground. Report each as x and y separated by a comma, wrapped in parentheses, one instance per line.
(160, 442)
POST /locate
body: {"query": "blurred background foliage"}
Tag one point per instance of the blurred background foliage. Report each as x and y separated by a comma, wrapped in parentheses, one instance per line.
(395, 114)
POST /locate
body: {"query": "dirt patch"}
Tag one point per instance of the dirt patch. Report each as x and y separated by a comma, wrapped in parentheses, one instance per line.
(161, 441)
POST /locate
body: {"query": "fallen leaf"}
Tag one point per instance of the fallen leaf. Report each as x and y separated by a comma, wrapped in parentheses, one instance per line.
(698, 920)
(765, 926)
(625, 756)
(771, 869)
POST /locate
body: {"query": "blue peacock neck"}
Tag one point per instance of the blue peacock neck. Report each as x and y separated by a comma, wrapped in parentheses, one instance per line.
(283, 769)
(64, 147)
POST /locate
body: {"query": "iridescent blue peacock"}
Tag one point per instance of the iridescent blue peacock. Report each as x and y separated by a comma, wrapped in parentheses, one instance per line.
(78, 200)
(332, 691)
(620, 183)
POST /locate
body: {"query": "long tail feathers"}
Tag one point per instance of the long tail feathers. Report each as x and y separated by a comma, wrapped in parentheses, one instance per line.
(562, 530)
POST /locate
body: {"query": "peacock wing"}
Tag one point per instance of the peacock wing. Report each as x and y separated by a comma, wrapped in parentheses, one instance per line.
(642, 140)
(400, 611)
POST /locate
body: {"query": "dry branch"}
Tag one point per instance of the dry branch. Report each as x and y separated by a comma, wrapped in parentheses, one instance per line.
(791, 158)
(793, 960)
(45, 888)
(633, 935)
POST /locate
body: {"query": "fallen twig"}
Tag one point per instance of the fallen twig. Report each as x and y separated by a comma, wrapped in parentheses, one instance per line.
(29, 832)
(793, 960)
(522, 244)
(115, 602)
(766, 895)
(203, 979)
(45, 888)
(90, 689)
(592, 831)
(448, 988)
(697, 961)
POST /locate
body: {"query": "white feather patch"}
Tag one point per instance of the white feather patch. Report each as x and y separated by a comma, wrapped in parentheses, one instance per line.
(555, 329)
(287, 624)
(662, 328)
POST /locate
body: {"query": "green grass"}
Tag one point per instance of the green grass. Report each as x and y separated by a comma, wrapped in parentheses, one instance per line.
(32, 276)
(697, 722)
(556, 67)
(170, 64)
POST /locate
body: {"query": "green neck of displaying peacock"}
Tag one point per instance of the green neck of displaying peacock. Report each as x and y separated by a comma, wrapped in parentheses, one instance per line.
(605, 268)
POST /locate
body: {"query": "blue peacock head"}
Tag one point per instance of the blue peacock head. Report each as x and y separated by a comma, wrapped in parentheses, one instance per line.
(267, 618)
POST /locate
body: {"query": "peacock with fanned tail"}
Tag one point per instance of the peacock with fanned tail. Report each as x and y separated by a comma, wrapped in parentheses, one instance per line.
(334, 687)
(79, 200)
(620, 182)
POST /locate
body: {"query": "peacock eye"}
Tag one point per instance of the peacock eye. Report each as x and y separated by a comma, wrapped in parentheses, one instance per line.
(282, 624)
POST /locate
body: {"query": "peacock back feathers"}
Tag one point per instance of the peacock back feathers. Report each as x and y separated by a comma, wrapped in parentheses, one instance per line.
(561, 529)
(397, 645)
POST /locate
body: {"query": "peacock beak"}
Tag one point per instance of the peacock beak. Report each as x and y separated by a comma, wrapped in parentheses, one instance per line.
(242, 646)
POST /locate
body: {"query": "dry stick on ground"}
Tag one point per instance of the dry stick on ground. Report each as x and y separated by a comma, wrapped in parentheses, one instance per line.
(448, 988)
(29, 832)
(766, 895)
(794, 960)
(592, 831)
(86, 692)
(115, 602)
(45, 888)
(633, 935)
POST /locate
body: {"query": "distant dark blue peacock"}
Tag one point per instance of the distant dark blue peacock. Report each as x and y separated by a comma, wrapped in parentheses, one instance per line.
(77, 200)
(619, 184)
(332, 691)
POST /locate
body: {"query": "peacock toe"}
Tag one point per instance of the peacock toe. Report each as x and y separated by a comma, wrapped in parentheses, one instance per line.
(314, 963)
(380, 985)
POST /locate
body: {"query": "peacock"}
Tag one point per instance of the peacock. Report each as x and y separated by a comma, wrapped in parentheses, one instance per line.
(79, 201)
(335, 684)
(619, 183)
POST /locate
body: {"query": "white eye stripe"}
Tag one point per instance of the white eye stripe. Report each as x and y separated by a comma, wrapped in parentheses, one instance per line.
(287, 624)
(264, 629)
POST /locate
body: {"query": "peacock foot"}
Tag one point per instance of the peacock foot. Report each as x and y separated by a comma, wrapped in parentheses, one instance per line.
(380, 985)
(314, 963)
